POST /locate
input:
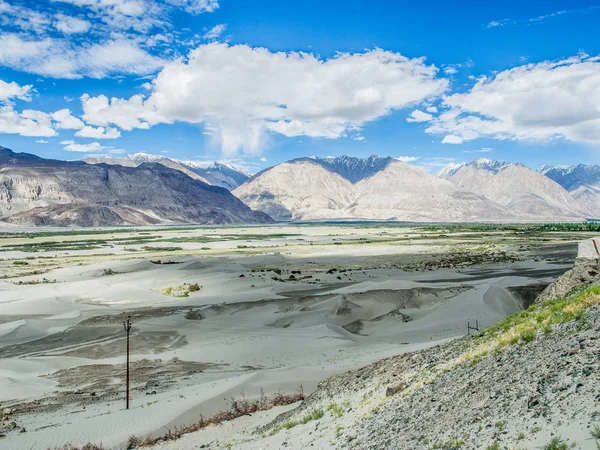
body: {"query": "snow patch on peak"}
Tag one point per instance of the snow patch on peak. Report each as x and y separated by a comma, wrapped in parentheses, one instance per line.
(352, 168)
(490, 165)
(451, 169)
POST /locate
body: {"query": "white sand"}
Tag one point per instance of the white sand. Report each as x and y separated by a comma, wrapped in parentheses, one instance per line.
(288, 343)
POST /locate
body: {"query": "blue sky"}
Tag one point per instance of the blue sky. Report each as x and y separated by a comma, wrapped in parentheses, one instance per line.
(257, 83)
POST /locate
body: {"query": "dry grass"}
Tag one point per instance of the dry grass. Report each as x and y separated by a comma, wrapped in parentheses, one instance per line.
(238, 408)
(520, 328)
(88, 446)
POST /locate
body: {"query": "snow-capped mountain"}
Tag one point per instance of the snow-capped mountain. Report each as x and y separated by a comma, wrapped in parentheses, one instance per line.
(386, 189)
(524, 191)
(582, 181)
(215, 173)
(306, 189)
(574, 177)
(450, 169)
(351, 168)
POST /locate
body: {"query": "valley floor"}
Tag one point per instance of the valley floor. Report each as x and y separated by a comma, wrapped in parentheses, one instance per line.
(218, 312)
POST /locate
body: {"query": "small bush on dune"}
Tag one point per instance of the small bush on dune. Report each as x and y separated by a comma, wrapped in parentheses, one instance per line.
(556, 443)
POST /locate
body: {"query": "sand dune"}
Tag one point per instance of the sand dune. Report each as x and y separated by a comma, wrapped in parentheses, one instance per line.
(63, 343)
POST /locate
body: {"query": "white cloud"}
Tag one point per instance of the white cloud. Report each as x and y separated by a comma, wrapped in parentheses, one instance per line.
(215, 31)
(23, 18)
(407, 158)
(26, 123)
(196, 6)
(543, 101)
(64, 120)
(434, 164)
(452, 139)
(432, 109)
(42, 141)
(13, 90)
(59, 59)
(482, 150)
(72, 146)
(419, 116)
(450, 70)
(240, 93)
(504, 22)
(126, 114)
(98, 133)
(71, 25)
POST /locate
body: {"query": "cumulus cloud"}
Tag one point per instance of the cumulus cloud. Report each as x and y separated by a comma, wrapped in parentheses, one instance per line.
(26, 123)
(241, 93)
(64, 120)
(419, 116)
(98, 133)
(13, 90)
(452, 139)
(72, 146)
(543, 101)
(42, 141)
(407, 158)
(431, 109)
(57, 58)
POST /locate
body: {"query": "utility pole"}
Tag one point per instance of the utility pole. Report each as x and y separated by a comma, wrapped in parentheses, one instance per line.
(127, 326)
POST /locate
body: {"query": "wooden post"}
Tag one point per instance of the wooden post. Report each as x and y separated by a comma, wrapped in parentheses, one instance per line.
(127, 326)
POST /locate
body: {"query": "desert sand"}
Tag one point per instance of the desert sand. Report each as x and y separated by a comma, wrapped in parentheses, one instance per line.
(277, 307)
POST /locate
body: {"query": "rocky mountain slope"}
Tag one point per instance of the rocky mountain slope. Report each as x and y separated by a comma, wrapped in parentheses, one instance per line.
(377, 188)
(354, 169)
(216, 173)
(530, 381)
(307, 189)
(525, 192)
(583, 182)
(36, 191)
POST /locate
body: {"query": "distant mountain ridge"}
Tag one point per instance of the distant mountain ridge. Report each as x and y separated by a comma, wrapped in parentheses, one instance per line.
(352, 168)
(386, 189)
(524, 191)
(582, 182)
(216, 173)
(36, 191)
(306, 189)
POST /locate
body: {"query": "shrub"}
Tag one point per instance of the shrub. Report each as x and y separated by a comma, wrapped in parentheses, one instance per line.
(528, 335)
(556, 443)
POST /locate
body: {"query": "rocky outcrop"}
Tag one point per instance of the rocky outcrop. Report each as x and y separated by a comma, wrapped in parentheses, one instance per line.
(585, 271)
(36, 191)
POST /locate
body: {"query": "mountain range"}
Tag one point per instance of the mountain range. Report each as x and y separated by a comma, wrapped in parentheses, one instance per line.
(36, 191)
(215, 173)
(582, 182)
(387, 189)
(149, 189)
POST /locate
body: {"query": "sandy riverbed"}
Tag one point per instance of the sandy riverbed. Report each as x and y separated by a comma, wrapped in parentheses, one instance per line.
(271, 314)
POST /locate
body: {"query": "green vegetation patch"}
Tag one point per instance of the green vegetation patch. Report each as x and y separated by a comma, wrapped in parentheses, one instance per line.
(183, 290)
(524, 326)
